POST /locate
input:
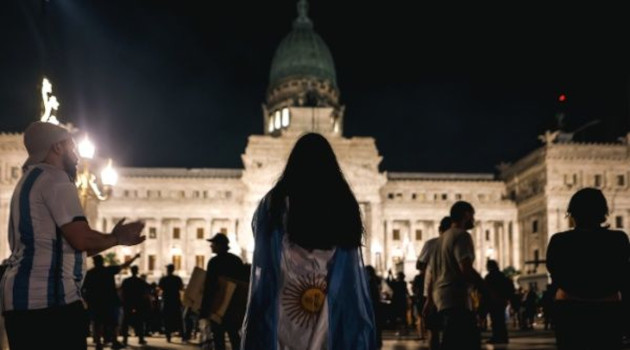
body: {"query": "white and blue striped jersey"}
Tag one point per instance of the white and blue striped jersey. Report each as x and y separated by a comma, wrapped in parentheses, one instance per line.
(43, 269)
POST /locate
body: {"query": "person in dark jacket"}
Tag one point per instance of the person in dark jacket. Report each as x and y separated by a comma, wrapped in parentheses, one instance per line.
(171, 286)
(224, 264)
(588, 266)
(501, 289)
(136, 305)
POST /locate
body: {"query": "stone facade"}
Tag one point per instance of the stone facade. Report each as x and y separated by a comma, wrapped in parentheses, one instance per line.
(516, 212)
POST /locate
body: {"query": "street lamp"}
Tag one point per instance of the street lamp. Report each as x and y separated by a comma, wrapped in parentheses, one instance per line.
(88, 183)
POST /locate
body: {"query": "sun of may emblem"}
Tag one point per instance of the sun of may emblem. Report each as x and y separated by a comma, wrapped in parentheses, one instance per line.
(303, 299)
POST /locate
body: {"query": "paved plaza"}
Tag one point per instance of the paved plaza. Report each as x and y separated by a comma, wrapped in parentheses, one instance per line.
(519, 340)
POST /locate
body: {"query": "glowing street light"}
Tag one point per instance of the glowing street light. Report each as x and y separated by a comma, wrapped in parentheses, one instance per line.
(86, 148)
(88, 183)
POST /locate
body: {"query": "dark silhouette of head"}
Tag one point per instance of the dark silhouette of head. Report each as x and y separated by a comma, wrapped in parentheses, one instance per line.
(134, 270)
(588, 207)
(220, 243)
(322, 210)
(463, 215)
(445, 224)
(492, 265)
(400, 276)
(98, 260)
(371, 272)
(170, 268)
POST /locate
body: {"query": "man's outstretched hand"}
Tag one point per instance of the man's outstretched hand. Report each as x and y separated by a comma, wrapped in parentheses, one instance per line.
(129, 234)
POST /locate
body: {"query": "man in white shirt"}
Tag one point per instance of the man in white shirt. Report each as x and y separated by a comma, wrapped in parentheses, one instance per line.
(49, 238)
(452, 273)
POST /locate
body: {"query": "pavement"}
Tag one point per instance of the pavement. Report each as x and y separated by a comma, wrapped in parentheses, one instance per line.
(519, 340)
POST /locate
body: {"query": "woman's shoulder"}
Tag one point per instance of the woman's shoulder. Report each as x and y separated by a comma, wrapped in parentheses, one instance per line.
(617, 236)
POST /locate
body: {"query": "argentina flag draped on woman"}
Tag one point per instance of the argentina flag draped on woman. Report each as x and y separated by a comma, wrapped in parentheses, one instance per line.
(308, 288)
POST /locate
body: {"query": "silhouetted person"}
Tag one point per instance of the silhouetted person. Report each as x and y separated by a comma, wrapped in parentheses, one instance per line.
(400, 294)
(171, 286)
(154, 322)
(101, 295)
(308, 286)
(588, 265)
(500, 289)
(50, 238)
(224, 264)
(452, 273)
(530, 303)
(374, 288)
(547, 302)
(432, 320)
(136, 305)
(417, 289)
(516, 306)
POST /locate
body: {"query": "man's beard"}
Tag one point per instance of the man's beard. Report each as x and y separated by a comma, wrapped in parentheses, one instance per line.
(69, 166)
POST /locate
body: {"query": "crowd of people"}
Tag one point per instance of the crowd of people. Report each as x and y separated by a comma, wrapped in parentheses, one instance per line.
(308, 286)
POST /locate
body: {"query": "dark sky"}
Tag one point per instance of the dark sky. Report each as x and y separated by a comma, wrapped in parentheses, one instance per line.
(180, 83)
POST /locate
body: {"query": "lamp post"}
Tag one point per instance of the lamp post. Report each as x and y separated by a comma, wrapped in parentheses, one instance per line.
(90, 184)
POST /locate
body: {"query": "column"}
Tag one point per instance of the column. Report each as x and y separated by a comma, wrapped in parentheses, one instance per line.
(516, 241)
(503, 244)
(163, 254)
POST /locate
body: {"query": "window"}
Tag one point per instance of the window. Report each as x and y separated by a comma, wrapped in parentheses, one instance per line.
(277, 122)
(228, 194)
(176, 232)
(151, 262)
(126, 193)
(481, 197)
(152, 233)
(414, 196)
(597, 181)
(390, 196)
(15, 172)
(399, 195)
(487, 235)
(195, 194)
(200, 233)
(285, 117)
(444, 196)
(621, 180)
(270, 129)
(396, 235)
(177, 261)
(418, 235)
(223, 230)
(458, 196)
(200, 261)
(619, 221)
(535, 226)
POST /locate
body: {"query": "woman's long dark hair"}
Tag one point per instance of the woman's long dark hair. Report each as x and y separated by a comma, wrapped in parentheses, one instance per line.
(323, 212)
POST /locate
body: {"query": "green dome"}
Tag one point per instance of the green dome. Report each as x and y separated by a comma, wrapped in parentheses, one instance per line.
(302, 53)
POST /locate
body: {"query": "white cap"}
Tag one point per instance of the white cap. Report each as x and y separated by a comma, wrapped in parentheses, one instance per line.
(39, 137)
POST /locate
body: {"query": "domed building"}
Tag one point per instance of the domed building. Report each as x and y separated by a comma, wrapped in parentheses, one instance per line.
(516, 211)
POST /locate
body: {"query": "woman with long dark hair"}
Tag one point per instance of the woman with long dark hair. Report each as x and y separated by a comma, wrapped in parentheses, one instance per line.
(308, 287)
(588, 266)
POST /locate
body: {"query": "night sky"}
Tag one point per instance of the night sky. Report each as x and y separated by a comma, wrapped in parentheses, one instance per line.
(180, 83)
